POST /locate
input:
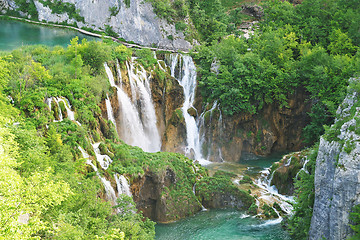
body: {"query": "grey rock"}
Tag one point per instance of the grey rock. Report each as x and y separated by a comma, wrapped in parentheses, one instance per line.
(137, 23)
(337, 180)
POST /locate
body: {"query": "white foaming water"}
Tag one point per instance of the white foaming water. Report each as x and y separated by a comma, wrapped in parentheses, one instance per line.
(138, 123)
(65, 101)
(264, 182)
(202, 206)
(202, 129)
(109, 190)
(187, 79)
(70, 114)
(109, 111)
(122, 185)
(118, 72)
(104, 160)
(303, 168)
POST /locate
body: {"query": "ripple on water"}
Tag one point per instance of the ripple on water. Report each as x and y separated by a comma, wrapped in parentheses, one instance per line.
(221, 224)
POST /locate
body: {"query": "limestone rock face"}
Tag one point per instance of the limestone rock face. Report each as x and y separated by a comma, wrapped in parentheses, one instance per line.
(136, 22)
(337, 177)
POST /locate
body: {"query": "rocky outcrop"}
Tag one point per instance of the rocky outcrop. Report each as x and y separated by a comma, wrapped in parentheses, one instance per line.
(337, 184)
(272, 129)
(253, 10)
(219, 191)
(153, 196)
(135, 22)
(284, 171)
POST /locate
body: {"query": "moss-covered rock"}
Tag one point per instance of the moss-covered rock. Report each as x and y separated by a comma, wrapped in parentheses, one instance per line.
(220, 192)
(285, 171)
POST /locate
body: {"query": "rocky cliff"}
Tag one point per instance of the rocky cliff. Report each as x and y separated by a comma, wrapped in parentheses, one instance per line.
(273, 129)
(134, 20)
(337, 179)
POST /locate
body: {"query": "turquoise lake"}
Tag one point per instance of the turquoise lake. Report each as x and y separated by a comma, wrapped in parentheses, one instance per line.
(14, 34)
(221, 225)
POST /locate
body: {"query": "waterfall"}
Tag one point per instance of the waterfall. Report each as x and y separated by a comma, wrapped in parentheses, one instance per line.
(137, 118)
(202, 130)
(264, 182)
(122, 185)
(70, 114)
(303, 168)
(109, 111)
(109, 190)
(65, 101)
(104, 160)
(187, 79)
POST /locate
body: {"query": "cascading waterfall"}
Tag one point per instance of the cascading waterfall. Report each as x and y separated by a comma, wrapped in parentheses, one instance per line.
(109, 110)
(122, 185)
(109, 190)
(203, 132)
(138, 123)
(70, 114)
(187, 79)
(104, 160)
(264, 182)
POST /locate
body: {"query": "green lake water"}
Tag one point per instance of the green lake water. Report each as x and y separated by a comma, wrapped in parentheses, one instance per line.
(221, 225)
(226, 224)
(14, 34)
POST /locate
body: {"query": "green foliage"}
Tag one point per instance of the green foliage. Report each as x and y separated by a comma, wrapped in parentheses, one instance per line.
(221, 183)
(123, 53)
(269, 212)
(252, 209)
(114, 10)
(355, 218)
(29, 7)
(127, 3)
(319, 117)
(146, 57)
(110, 32)
(43, 179)
(299, 222)
(246, 179)
(58, 6)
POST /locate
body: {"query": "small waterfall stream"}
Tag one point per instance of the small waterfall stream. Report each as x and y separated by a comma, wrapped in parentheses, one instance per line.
(109, 190)
(187, 79)
(264, 182)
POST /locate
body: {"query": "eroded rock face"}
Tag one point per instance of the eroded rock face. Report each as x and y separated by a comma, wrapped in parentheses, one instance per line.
(337, 177)
(273, 129)
(136, 22)
(150, 193)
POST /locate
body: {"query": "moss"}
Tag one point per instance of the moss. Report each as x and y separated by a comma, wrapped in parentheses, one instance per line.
(349, 146)
(246, 179)
(252, 209)
(55, 110)
(62, 108)
(221, 184)
(177, 117)
(269, 212)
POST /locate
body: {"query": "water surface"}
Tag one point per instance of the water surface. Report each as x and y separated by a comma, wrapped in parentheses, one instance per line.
(221, 225)
(14, 34)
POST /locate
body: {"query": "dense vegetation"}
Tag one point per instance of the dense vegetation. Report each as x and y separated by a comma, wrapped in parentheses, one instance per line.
(299, 222)
(47, 189)
(303, 50)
